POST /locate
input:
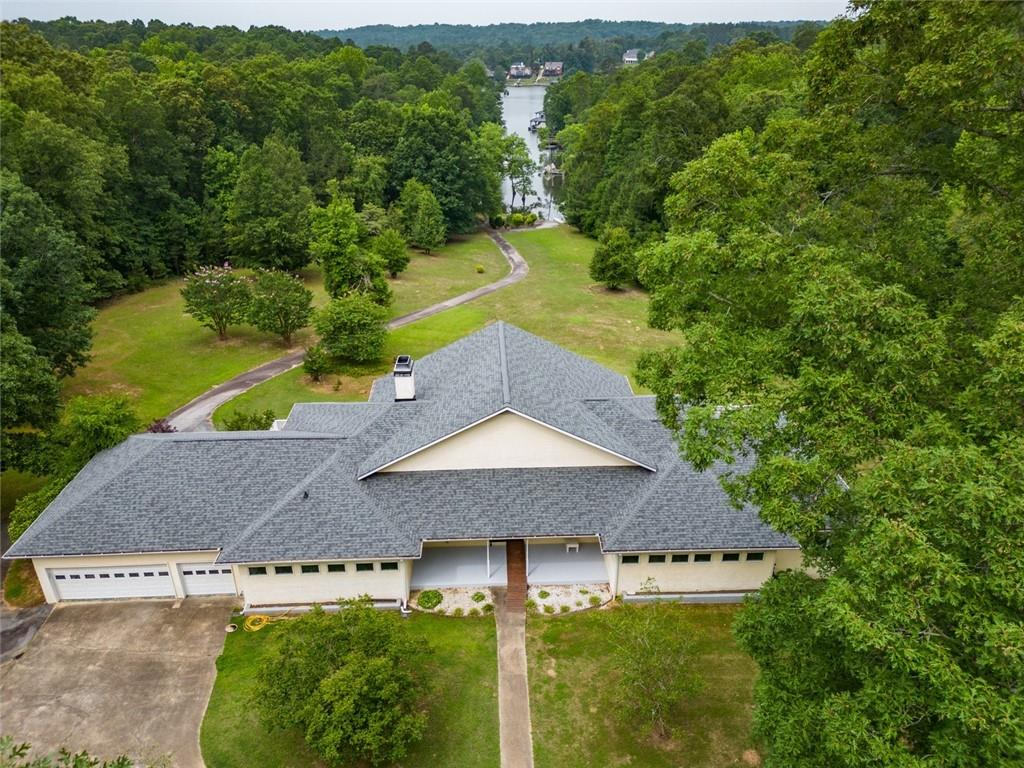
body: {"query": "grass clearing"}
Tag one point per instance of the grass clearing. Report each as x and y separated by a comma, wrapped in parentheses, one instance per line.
(146, 347)
(557, 301)
(462, 731)
(573, 696)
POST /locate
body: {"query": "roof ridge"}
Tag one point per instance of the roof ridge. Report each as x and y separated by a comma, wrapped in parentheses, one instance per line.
(506, 390)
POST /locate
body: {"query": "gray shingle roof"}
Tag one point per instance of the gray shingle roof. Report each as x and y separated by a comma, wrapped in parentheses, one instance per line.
(297, 494)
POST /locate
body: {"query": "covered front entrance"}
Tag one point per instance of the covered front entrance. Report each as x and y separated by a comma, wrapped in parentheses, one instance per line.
(468, 564)
(567, 561)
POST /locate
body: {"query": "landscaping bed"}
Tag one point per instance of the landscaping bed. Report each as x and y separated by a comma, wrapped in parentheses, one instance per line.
(453, 601)
(567, 598)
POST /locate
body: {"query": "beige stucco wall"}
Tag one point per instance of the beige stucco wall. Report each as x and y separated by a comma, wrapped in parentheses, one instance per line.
(171, 559)
(298, 588)
(508, 440)
(716, 576)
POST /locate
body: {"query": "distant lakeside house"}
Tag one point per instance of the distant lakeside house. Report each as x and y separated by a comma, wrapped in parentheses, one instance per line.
(553, 69)
(635, 56)
(500, 458)
(519, 70)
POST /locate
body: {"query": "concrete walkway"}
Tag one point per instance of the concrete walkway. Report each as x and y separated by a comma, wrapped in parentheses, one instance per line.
(513, 687)
(197, 415)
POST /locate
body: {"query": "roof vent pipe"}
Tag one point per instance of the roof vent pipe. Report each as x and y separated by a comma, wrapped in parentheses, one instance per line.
(405, 380)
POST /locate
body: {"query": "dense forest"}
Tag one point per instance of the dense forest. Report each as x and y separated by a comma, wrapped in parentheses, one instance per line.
(583, 46)
(838, 238)
(133, 152)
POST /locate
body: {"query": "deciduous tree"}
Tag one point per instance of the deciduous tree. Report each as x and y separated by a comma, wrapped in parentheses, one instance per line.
(279, 304)
(420, 215)
(352, 328)
(217, 297)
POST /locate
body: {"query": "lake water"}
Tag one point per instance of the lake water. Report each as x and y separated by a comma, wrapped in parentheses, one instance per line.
(518, 107)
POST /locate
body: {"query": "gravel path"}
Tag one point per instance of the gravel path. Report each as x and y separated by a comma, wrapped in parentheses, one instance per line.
(197, 415)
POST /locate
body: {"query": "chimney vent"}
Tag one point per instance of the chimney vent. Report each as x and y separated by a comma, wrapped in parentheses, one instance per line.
(405, 381)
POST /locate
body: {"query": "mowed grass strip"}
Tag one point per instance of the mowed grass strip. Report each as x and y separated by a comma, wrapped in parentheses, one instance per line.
(462, 730)
(575, 698)
(557, 301)
(146, 347)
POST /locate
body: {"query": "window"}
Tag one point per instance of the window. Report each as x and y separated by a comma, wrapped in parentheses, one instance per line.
(90, 575)
(702, 557)
(134, 575)
(257, 570)
(282, 570)
(655, 558)
(118, 575)
(75, 576)
(730, 557)
(389, 566)
(104, 575)
(148, 573)
(164, 573)
(200, 573)
(630, 559)
(755, 555)
(60, 577)
(186, 573)
(335, 567)
(311, 569)
(225, 570)
(364, 566)
(680, 558)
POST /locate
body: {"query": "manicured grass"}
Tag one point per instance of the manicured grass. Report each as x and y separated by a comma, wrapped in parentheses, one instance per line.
(463, 706)
(574, 696)
(557, 301)
(145, 346)
(21, 587)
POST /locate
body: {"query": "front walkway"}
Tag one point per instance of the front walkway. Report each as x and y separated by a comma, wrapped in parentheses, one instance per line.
(513, 687)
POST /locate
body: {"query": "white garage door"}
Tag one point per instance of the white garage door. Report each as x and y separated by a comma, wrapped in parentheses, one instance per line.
(207, 579)
(101, 583)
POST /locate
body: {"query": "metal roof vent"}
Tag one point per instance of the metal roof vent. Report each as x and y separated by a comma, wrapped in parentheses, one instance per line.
(405, 381)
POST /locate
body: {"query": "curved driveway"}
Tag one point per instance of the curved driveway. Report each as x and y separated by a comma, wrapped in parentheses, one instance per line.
(197, 415)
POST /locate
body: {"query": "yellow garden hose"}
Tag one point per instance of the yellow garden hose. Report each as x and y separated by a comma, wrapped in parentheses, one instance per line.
(256, 622)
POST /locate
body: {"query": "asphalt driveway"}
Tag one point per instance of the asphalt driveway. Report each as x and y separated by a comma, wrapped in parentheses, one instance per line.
(126, 677)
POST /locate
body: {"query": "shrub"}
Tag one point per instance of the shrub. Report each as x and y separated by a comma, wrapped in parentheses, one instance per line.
(497, 221)
(531, 604)
(531, 218)
(429, 599)
(594, 601)
(479, 597)
(549, 609)
(563, 609)
(31, 505)
(243, 421)
(516, 220)
(543, 594)
(353, 328)
(316, 363)
(584, 591)
(474, 611)
(579, 603)
(479, 269)
(457, 612)
(488, 608)
(161, 426)
(614, 263)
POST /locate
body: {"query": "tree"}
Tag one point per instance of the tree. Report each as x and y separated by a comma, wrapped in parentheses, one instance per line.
(267, 217)
(420, 215)
(352, 328)
(29, 390)
(31, 506)
(392, 250)
(217, 297)
(16, 756)
(279, 304)
(335, 244)
(246, 421)
(520, 168)
(344, 679)
(316, 363)
(90, 425)
(613, 262)
(653, 653)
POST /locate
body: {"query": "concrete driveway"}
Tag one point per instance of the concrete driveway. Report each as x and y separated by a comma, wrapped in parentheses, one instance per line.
(125, 677)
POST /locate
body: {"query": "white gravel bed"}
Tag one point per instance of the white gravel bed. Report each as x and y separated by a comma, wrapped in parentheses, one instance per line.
(455, 598)
(566, 599)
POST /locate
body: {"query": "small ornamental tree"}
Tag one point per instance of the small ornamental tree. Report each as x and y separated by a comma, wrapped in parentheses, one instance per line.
(391, 248)
(249, 421)
(613, 262)
(316, 363)
(217, 297)
(344, 679)
(352, 328)
(280, 304)
(653, 655)
(421, 216)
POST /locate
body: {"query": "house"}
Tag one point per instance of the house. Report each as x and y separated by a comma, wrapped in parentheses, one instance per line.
(499, 445)
(632, 56)
(519, 70)
(553, 69)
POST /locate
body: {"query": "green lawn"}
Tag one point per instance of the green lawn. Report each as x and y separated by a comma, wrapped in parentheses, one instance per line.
(574, 700)
(145, 346)
(557, 300)
(463, 727)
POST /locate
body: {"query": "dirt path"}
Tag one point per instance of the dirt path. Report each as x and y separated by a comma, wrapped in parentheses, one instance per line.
(516, 731)
(197, 415)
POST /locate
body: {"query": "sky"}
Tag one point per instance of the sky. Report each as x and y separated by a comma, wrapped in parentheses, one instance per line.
(342, 14)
